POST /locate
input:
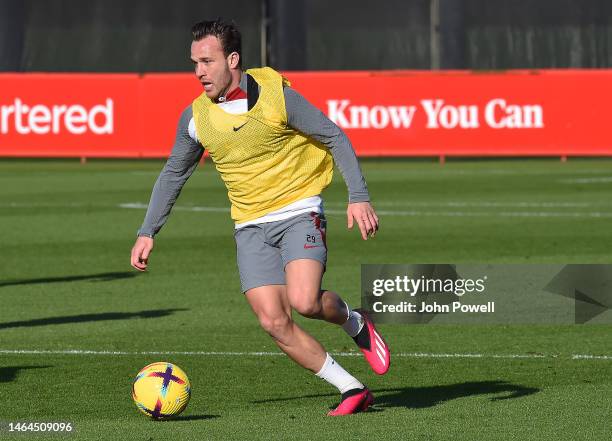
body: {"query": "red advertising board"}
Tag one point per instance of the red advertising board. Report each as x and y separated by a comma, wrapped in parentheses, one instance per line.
(91, 115)
(385, 113)
(467, 113)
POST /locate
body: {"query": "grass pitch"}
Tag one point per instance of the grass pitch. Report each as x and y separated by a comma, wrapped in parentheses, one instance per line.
(66, 284)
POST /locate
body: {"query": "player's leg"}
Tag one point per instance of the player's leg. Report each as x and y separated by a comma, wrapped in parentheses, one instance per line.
(304, 254)
(263, 282)
(270, 305)
(307, 298)
(305, 295)
(262, 278)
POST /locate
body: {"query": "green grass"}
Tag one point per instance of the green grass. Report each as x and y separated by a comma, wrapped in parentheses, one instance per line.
(65, 283)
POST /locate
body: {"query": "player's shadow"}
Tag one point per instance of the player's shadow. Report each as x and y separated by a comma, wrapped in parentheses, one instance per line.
(190, 418)
(101, 277)
(10, 373)
(61, 320)
(422, 397)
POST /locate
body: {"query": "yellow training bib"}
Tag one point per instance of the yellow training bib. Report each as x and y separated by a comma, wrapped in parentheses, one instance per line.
(264, 164)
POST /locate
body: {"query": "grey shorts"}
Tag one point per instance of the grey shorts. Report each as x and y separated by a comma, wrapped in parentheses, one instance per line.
(263, 250)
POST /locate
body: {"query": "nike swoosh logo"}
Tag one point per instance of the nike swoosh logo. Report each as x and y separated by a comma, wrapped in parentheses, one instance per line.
(239, 127)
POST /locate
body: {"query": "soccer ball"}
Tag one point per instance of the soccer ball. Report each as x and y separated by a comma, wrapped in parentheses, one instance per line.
(161, 390)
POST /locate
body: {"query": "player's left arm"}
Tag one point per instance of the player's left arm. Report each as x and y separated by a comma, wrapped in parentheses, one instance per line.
(303, 116)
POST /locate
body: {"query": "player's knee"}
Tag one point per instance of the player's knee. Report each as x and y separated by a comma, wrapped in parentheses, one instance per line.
(277, 326)
(308, 307)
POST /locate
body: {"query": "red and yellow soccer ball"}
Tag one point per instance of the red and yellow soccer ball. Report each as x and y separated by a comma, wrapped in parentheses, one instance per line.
(161, 390)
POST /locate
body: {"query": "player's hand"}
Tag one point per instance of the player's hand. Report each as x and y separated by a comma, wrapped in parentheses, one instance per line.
(141, 251)
(366, 218)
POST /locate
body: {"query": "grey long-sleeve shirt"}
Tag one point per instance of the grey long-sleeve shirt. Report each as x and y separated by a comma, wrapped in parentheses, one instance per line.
(186, 153)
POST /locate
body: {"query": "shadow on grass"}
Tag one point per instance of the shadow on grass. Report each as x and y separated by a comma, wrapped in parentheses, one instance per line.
(102, 277)
(189, 418)
(155, 313)
(422, 397)
(10, 373)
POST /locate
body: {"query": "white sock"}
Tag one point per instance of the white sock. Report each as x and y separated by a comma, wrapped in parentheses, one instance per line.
(354, 323)
(335, 374)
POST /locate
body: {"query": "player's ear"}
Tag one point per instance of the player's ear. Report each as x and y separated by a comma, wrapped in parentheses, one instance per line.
(233, 60)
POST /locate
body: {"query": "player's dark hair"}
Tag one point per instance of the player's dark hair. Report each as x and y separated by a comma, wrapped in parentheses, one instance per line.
(227, 33)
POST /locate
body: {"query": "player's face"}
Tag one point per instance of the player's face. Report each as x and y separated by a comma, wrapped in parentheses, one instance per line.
(211, 66)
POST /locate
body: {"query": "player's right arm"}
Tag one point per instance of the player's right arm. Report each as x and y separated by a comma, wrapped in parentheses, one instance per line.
(182, 162)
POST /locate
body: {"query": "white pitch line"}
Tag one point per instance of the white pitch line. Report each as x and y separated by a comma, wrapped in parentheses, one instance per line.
(141, 206)
(485, 204)
(540, 214)
(596, 214)
(276, 354)
(435, 168)
(408, 213)
(591, 357)
(45, 205)
(602, 180)
(94, 352)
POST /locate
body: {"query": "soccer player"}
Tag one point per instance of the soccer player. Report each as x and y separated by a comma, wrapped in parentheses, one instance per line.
(275, 153)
